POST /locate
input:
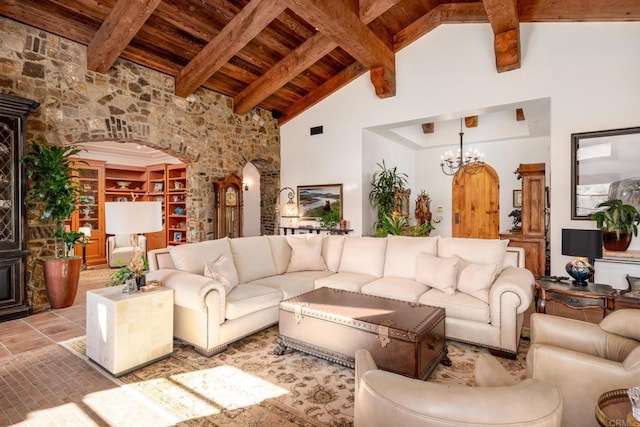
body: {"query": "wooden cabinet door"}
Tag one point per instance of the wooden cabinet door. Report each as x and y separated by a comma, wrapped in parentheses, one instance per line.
(476, 203)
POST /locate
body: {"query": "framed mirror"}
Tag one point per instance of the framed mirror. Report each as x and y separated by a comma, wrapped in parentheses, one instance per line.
(604, 166)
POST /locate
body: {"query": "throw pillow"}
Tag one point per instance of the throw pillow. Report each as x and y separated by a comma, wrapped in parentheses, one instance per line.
(306, 253)
(439, 273)
(476, 279)
(223, 270)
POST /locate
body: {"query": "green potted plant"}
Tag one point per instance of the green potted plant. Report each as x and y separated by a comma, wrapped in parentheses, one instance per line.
(618, 222)
(50, 170)
(330, 220)
(385, 183)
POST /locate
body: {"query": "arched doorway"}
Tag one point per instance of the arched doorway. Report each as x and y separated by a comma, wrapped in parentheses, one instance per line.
(476, 203)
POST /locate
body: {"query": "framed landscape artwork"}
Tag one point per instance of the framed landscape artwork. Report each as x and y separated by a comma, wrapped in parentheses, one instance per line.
(313, 200)
(604, 166)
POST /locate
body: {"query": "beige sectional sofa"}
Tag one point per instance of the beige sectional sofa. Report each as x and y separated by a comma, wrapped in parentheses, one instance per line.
(229, 288)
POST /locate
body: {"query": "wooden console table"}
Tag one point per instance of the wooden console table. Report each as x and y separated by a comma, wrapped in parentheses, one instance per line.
(317, 230)
(572, 296)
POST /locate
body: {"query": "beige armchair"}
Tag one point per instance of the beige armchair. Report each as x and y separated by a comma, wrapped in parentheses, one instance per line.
(584, 360)
(385, 399)
(120, 251)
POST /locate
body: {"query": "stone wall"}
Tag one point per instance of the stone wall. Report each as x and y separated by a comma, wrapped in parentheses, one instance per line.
(134, 104)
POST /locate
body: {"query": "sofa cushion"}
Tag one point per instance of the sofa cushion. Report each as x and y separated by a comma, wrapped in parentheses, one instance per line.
(252, 257)
(332, 251)
(437, 272)
(458, 306)
(346, 281)
(289, 284)
(248, 298)
(402, 252)
(476, 251)
(281, 252)
(306, 252)
(223, 270)
(476, 279)
(194, 256)
(395, 288)
(363, 255)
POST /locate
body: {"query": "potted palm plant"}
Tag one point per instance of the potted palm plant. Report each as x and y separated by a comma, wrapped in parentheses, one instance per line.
(50, 170)
(384, 185)
(618, 222)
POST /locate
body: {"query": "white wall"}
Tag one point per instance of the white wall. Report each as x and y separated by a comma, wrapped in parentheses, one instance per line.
(375, 149)
(251, 201)
(588, 70)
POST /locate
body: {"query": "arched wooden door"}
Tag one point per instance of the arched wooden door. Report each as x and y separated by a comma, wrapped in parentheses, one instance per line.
(476, 204)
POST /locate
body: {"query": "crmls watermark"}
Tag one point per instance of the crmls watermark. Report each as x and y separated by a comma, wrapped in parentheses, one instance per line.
(622, 423)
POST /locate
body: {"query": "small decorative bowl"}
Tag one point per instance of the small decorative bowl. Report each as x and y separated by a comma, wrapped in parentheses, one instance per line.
(123, 184)
(178, 211)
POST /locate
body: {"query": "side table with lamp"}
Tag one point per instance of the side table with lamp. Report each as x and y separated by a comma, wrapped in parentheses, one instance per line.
(128, 330)
(586, 245)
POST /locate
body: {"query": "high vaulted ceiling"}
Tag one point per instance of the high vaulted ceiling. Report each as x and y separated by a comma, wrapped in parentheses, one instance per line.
(286, 55)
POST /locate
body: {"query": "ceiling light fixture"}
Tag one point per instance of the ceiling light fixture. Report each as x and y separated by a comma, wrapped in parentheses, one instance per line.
(467, 164)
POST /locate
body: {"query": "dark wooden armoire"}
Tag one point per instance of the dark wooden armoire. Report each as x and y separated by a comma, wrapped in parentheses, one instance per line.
(13, 212)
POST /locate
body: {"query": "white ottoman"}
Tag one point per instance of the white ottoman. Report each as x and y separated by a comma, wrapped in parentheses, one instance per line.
(128, 331)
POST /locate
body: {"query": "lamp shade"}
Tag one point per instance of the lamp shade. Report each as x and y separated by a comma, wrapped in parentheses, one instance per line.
(85, 230)
(582, 243)
(132, 217)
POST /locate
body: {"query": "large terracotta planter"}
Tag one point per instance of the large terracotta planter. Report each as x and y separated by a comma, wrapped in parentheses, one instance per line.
(61, 277)
(616, 240)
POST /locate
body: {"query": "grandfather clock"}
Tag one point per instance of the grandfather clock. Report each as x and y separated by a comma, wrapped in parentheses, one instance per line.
(228, 207)
(13, 213)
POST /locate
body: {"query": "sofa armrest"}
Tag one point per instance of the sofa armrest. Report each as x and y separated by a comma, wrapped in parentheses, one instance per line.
(193, 291)
(515, 280)
(364, 364)
(384, 398)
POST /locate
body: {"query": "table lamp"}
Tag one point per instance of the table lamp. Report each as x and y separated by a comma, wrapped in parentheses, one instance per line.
(586, 245)
(83, 243)
(133, 218)
(290, 209)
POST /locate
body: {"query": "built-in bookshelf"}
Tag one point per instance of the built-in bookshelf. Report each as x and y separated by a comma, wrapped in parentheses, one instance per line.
(176, 204)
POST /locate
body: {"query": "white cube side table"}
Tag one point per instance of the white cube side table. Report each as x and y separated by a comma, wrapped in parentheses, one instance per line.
(128, 331)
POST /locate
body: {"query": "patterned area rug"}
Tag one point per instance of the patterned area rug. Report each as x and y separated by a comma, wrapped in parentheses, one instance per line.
(247, 385)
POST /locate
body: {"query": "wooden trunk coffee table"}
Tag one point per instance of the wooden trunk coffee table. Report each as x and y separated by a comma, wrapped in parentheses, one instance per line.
(405, 338)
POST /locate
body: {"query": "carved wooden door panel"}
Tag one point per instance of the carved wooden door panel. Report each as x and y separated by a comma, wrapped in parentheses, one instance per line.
(476, 204)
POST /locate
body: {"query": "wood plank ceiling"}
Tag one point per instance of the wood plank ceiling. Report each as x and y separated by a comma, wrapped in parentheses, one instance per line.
(286, 55)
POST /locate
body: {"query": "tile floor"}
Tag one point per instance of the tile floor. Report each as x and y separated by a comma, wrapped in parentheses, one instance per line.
(43, 384)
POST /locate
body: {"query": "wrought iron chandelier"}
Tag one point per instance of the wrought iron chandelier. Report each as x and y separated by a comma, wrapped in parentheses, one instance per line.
(467, 163)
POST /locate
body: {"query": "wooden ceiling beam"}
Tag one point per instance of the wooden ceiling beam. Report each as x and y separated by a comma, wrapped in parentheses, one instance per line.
(578, 10)
(337, 21)
(340, 80)
(471, 121)
(117, 31)
(290, 66)
(428, 127)
(252, 19)
(503, 16)
(444, 13)
(371, 9)
(295, 63)
(519, 114)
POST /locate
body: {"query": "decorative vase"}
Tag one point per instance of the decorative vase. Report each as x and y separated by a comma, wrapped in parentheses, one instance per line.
(61, 277)
(580, 270)
(616, 240)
